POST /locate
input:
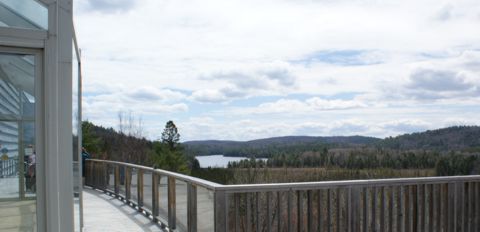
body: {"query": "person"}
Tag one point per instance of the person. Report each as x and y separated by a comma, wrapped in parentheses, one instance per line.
(31, 168)
(85, 155)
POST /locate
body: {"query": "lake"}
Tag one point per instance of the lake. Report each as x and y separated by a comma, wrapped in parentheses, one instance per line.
(219, 161)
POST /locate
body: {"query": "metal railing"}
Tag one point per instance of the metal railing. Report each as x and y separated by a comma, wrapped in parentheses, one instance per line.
(8, 167)
(407, 204)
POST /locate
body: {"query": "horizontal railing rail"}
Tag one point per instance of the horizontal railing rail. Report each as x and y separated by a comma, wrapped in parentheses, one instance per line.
(184, 203)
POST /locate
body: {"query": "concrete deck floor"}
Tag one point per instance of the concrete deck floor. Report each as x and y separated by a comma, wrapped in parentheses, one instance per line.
(106, 213)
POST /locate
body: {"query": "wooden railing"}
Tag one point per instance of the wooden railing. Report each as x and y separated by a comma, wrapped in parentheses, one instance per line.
(408, 204)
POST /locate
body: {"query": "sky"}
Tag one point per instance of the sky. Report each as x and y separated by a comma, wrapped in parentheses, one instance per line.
(249, 69)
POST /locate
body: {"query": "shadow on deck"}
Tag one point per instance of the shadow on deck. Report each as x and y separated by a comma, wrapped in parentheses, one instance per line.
(106, 213)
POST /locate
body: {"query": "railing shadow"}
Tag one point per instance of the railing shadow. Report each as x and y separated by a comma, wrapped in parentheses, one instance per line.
(143, 225)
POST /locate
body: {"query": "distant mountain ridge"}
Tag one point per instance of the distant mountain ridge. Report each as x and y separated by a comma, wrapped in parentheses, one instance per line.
(446, 139)
(356, 139)
(454, 138)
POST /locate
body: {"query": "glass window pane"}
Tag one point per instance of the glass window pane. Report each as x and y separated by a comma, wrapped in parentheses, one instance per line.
(17, 143)
(23, 14)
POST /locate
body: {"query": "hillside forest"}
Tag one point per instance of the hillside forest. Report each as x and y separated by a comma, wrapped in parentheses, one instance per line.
(447, 151)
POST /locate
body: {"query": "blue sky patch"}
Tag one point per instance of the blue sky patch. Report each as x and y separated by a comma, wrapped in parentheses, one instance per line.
(339, 57)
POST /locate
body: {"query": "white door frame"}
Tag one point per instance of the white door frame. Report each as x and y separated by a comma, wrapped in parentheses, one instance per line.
(39, 131)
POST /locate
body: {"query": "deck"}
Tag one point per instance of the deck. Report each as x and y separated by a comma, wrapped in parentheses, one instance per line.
(185, 203)
(103, 212)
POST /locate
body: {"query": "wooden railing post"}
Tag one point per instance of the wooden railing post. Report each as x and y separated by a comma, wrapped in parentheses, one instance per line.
(220, 211)
(139, 188)
(117, 180)
(155, 203)
(192, 207)
(128, 180)
(171, 203)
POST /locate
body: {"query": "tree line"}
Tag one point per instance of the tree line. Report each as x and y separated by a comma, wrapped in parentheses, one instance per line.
(110, 144)
(449, 163)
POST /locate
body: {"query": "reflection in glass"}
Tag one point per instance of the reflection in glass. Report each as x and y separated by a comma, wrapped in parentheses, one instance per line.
(18, 157)
(27, 14)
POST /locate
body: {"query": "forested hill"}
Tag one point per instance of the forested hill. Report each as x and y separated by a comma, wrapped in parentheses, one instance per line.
(277, 145)
(458, 138)
(118, 146)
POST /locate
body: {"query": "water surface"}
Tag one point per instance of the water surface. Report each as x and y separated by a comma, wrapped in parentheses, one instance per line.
(219, 161)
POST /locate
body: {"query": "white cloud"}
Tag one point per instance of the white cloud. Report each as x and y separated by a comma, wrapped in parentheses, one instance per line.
(161, 58)
(250, 80)
(295, 107)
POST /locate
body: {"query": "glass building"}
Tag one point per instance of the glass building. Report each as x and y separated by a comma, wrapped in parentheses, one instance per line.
(39, 117)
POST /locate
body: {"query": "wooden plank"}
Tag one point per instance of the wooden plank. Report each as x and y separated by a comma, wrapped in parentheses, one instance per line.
(192, 207)
(476, 220)
(355, 219)
(320, 210)
(221, 210)
(444, 208)
(424, 212)
(391, 207)
(365, 209)
(172, 205)
(408, 208)
(139, 188)
(451, 211)
(116, 180)
(416, 208)
(279, 211)
(300, 211)
(477, 206)
(338, 210)
(128, 177)
(237, 214)
(329, 210)
(373, 226)
(248, 207)
(257, 212)
(431, 211)
(459, 206)
(401, 209)
(155, 199)
(382, 208)
(289, 210)
(349, 210)
(309, 210)
(469, 205)
(269, 212)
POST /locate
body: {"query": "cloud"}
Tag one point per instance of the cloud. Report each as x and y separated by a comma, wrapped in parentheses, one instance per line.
(146, 93)
(349, 127)
(209, 96)
(163, 58)
(444, 13)
(143, 101)
(406, 126)
(253, 80)
(434, 84)
(438, 80)
(293, 106)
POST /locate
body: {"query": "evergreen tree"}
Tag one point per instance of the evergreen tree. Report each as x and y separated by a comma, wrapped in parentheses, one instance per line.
(170, 135)
(90, 141)
(168, 154)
